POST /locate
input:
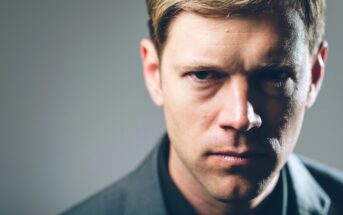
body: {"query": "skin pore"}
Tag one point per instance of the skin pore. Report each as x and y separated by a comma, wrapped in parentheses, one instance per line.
(234, 92)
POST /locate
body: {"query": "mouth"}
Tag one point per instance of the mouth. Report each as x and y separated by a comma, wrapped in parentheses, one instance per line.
(232, 158)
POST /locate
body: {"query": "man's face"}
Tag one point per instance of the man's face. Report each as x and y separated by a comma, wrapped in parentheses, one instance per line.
(234, 92)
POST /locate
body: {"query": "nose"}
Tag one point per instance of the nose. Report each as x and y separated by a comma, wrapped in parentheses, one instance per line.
(236, 111)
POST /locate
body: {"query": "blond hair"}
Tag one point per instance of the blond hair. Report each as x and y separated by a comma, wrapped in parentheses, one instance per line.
(161, 13)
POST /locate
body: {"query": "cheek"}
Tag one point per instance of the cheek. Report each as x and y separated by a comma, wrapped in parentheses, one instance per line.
(295, 115)
(275, 113)
(187, 117)
(188, 120)
(184, 108)
(282, 121)
(180, 116)
(278, 112)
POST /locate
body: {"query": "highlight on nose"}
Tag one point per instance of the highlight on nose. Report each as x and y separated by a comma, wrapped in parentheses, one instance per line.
(254, 120)
(241, 118)
(236, 110)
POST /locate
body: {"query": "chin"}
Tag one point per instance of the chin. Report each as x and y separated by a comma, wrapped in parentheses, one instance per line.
(237, 188)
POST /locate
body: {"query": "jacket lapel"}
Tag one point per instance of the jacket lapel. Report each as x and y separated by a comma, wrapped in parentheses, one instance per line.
(145, 190)
(310, 198)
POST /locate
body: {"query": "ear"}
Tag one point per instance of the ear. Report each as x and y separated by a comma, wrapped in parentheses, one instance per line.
(151, 71)
(317, 73)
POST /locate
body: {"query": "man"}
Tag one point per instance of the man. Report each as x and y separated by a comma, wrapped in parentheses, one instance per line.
(234, 79)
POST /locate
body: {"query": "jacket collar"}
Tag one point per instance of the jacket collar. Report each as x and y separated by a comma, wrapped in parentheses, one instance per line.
(310, 198)
(144, 189)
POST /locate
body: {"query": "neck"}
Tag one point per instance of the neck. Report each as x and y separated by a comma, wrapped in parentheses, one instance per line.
(202, 201)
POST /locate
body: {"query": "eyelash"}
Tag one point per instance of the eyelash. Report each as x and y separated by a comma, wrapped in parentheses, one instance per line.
(276, 78)
(206, 76)
(271, 81)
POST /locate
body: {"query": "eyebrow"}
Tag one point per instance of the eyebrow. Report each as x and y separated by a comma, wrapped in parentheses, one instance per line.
(290, 68)
(199, 66)
(278, 66)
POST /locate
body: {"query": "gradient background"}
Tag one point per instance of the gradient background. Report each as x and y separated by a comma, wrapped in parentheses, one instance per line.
(74, 112)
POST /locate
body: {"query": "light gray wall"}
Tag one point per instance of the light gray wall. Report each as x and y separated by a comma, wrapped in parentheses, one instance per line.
(74, 113)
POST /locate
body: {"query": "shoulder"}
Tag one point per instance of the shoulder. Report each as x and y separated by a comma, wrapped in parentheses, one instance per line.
(329, 178)
(110, 200)
(126, 196)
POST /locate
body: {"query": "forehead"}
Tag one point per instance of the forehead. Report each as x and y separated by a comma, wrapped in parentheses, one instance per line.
(265, 38)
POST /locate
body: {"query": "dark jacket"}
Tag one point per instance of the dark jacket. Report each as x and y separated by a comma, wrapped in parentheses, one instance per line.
(315, 188)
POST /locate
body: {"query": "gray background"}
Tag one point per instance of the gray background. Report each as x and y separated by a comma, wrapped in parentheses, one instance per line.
(74, 112)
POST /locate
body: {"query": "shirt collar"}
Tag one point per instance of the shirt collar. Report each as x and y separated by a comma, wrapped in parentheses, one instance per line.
(175, 202)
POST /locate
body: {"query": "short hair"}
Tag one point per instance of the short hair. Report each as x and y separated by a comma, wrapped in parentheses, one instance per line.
(162, 12)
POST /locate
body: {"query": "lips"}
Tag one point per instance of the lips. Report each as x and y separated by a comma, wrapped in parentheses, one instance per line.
(246, 154)
(233, 158)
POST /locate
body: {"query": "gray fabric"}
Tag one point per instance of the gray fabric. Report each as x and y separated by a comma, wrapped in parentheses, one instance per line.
(317, 189)
(309, 196)
(137, 193)
(329, 182)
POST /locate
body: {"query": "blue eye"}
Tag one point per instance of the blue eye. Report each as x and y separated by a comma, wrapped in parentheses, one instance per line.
(277, 76)
(275, 82)
(201, 75)
(207, 75)
(274, 77)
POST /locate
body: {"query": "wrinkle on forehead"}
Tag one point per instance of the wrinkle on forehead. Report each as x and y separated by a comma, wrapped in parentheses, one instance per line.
(249, 40)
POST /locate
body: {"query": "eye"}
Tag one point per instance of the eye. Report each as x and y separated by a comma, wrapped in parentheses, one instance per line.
(276, 76)
(203, 76)
(275, 82)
